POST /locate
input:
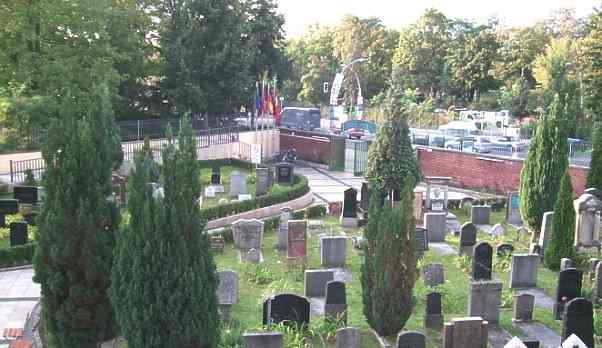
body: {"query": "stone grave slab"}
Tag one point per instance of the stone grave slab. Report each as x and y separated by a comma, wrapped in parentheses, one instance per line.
(315, 282)
(523, 271)
(333, 251)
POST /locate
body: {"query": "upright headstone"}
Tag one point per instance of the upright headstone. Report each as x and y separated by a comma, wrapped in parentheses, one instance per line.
(9, 206)
(284, 173)
(216, 177)
(579, 320)
(333, 251)
(523, 271)
(262, 340)
(479, 214)
(482, 261)
(18, 233)
(227, 293)
(513, 209)
(597, 293)
(573, 342)
(410, 339)
(297, 239)
(26, 194)
(348, 337)
(288, 308)
(335, 307)
(433, 274)
(421, 239)
(546, 229)
(364, 197)
(484, 300)
(315, 282)
(263, 181)
(587, 225)
(435, 226)
(468, 238)
(350, 203)
(247, 234)
(504, 249)
(418, 208)
(523, 307)
(471, 332)
(433, 317)
(285, 215)
(238, 184)
(568, 288)
(565, 263)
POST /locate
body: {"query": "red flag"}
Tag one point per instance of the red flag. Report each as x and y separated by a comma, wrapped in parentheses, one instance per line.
(276, 107)
(264, 98)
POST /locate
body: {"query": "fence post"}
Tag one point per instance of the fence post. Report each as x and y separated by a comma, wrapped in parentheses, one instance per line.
(11, 171)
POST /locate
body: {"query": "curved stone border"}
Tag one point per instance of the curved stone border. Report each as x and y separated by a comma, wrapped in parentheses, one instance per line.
(261, 213)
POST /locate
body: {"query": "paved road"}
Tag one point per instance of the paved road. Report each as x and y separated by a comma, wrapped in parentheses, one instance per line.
(18, 295)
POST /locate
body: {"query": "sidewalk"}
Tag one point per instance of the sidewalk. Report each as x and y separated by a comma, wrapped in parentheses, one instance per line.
(18, 296)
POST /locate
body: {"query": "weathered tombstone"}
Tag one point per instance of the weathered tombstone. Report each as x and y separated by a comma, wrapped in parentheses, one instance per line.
(238, 184)
(284, 173)
(216, 177)
(253, 256)
(315, 282)
(297, 239)
(364, 197)
(285, 215)
(435, 226)
(573, 342)
(209, 192)
(438, 186)
(482, 261)
(26, 194)
(484, 300)
(333, 251)
(218, 243)
(471, 332)
(422, 242)
(468, 238)
(227, 292)
(479, 214)
(522, 309)
(546, 229)
(504, 249)
(262, 340)
(497, 230)
(18, 233)
(247, 234)
(433, 317)
(587, 225)
(579, 320)
(262, 185)
(348, 337)
(335, 307)
(433, 274)
(288, 308)
(523, 271)
(565, 263)
(349, 217)
(597, 293)
(410, 339)
(9, 206)
(568, 288)
(513, 209)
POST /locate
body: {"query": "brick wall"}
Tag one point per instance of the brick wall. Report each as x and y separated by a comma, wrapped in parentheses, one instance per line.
(313, 149)
(476, 171)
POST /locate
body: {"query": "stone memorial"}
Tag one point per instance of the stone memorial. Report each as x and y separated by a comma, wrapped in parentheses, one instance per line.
(210, 192)
(437, 190)
(479, 214)
(297, 239)
(435, 224)
(422, 242)
(411, 339)
(513, 209)
(333, 251)
(504, 249)
(484, 300)
(285, 215)
(565, 263)
(26, 194)
(522, 309)
(9, 206)
(262, 340)
(335, 306)
(567, 288)
(348, 337)
(497, 230)
(247, 234)
(523, 271)
(597, 293)
(289, 308)
(482, 261)
(238, 184)
(468, 238)
(349, 216)
(471, 332)
(284, 173)
(579, 320)
(546, 229)
(18, 233)
(262, 185)
(433, 316)
(433, 274)
(315, 282)
(364, 197)
(216, 177)
(587, 224)
(227, 293)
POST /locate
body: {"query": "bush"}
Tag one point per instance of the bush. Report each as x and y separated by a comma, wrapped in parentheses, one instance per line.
(17, 255)
(315, 211)
(563, 226)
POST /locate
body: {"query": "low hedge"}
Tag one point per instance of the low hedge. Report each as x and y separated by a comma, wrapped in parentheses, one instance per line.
(17, 255)
(227, 162)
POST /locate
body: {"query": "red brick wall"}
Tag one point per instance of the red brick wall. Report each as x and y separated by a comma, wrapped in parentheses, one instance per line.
(478, 172)
(308, 148)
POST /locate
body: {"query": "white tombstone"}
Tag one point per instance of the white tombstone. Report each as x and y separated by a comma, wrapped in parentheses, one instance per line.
(573, 342)
(244, 197)
(515, 342)
(497, 230)
(209, 192)
(587, 225)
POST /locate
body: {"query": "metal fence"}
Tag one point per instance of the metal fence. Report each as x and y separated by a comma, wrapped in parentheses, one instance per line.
(154, 128)
(18, 169)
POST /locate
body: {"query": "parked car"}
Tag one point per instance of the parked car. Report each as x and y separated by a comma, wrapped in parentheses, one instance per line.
(300, 118)
(464, 144)
(508, 143)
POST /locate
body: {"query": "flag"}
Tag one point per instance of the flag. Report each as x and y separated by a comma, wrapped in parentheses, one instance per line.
(270, 102)
(277, 107)
(264, 99)
(257, 98)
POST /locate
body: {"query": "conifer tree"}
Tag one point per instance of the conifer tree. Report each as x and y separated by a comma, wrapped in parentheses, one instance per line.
(594, 176)
(563, 226)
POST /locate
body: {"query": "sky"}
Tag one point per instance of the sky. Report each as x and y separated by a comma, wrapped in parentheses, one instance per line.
(397, 14)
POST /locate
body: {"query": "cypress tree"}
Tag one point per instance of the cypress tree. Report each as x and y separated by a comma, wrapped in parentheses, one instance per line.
(164, 277)
(78, 223)
(543, 168)
(594, 176)
(563, 226)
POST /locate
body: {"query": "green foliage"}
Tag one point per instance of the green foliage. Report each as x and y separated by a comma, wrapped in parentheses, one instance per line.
(257, 274)
(563, 226)
(17, 255)
(231, 335)
(30, 180)
(594, 175)
(315, 211)
(502, 263)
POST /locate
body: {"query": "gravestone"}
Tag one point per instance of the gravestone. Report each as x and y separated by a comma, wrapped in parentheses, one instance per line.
(210, 192)
(418, 207)
(247, 234)
(285, 215)
(421, 240)
(573, 342)
(482, 261)
(227, 293)
(433, 274)
(471, 332)
(284, 173)
(348, 337)
(497, 230)
(238, 184)
(587, 224)
(333, 251)
(289, 308)
(433, 316)
(479, 214)
(26, 194)
(546, 229)
(253, 256)
(270, 176)
(579, 320)
(18, 233)
(335, 307)
(522, 310)
(410, 339)
(262, 340)
(216, 177)
(435, 226)
(297, 239)
(315, 282)
(597, 293)
(364, 197)
(565, 263)
(513, 209)
(263, 181)
(523, 271)
(484, 300)
(350, 203)
(9, 206)
(567, 288)
(504, 249)
(468, 238)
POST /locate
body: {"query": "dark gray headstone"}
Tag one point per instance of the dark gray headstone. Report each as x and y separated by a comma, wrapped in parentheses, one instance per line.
(479, 214)
(523, 271)
(579, 320)
(9, 206)
(26, 194)
(216, 177)
(411, 339)
(433, 274)
(348, 337)
(227, 290)
(504, 249)
(262, 340)
(289, 308)
(262, 184)
(18, 233)
(523, 307)
(422, 243)
(485, 299)
(335, 306)
(315, 282)
(568, 288)
(468, 234)
(482, 261)
(433, 317)
(284, 173)
(350, 203)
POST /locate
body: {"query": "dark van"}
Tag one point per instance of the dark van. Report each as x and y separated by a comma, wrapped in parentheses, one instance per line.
(300, 118)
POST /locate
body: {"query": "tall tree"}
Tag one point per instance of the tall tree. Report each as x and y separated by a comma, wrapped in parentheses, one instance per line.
(592, 61)
(78, 223)
(594, 175)
(563, 226)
